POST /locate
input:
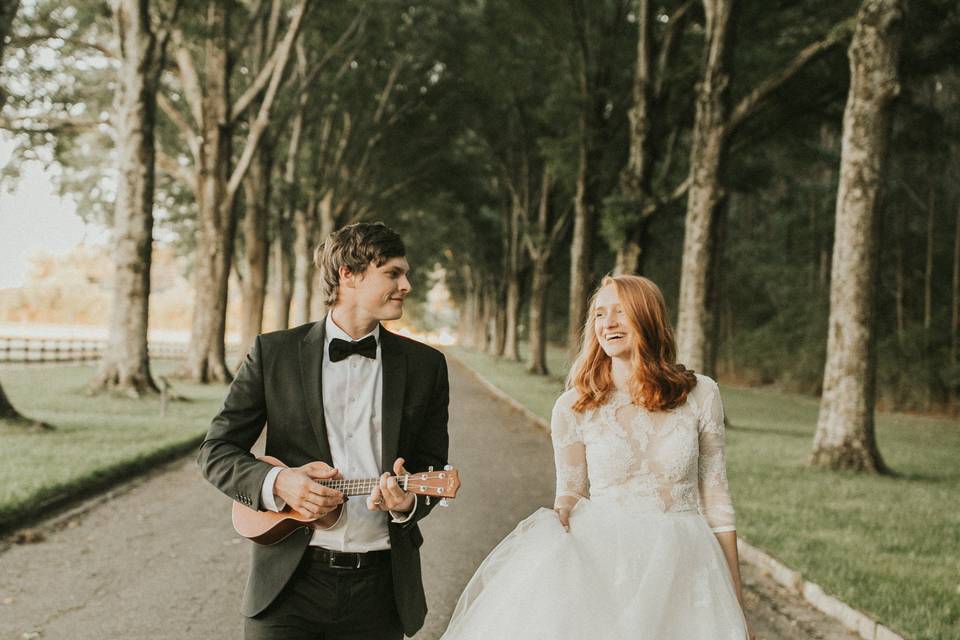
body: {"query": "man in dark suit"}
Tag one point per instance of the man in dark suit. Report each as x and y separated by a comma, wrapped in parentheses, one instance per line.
(342, 397)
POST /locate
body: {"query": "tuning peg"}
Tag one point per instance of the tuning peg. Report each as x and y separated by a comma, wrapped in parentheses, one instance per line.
(443, 502)
(428, 500)
(448, 467)
(430, 469)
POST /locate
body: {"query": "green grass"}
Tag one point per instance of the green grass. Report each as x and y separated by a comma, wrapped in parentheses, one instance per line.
(889, 546)
(98, 438)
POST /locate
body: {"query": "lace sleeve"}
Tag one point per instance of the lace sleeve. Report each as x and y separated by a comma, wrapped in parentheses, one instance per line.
(569, 455)
(715, 502)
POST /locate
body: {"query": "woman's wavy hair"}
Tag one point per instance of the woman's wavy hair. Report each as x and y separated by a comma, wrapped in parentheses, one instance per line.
(658, 383)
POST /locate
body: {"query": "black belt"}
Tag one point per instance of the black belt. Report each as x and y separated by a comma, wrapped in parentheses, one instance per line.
(346, 559)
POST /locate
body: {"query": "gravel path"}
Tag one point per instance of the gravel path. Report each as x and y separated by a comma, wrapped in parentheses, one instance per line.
(158, 558)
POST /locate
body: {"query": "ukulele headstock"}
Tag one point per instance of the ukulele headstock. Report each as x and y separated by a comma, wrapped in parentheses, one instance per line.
(441, 484)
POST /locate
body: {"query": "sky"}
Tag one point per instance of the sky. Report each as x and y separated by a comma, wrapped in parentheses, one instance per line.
(34, 219)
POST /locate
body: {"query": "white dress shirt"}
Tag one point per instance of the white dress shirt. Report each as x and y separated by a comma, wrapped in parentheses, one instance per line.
(352, 409)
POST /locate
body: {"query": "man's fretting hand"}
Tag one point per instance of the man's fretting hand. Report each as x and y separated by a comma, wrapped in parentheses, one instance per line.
(297, 487)
(388, 495)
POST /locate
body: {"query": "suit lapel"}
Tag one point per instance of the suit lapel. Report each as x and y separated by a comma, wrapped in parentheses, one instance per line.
(311, 380)
(394, 384)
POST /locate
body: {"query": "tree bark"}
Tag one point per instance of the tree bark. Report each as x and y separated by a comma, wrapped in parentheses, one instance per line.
(581, 247)
(928, 271)
(845, 436)
(215, 183)
(955, 315)
(705, 195)
(257, 191)
(540, 282)
(541, 241)
(489, 341)
(206, 361)
(125, 365)
(584, 200)
(281, 272)
(511, 345)
(900, 281)
(303, 266)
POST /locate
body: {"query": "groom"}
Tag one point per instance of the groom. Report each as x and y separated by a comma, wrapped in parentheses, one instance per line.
(342, 397)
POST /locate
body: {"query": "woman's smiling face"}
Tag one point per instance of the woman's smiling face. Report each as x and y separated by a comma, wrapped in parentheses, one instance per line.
(610, 323)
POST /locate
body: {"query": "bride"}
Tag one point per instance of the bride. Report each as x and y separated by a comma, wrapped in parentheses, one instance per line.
(641, 543)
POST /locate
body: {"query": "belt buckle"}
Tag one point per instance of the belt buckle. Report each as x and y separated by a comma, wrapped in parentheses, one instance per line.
(352, 565)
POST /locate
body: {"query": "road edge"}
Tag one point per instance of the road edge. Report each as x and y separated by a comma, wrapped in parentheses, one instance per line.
(790, 579)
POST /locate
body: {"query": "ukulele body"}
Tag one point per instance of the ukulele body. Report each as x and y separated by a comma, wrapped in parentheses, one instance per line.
(270, 527)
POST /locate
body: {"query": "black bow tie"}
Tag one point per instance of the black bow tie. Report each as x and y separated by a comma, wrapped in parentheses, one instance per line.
(343, 349)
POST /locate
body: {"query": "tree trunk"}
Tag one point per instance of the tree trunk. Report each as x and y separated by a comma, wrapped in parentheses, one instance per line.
(7, 12)
(480, 317)
(928, 272)
(280, 270)
(900, 280)
(845, 428)
(206, 360)
(303, 266)
(125, 365)
(635, 177)
(955, 316)
(511, 346)
(705, 196)
(489, 342)
(328, 223)
(256, 244)
(581, 247)
(540, 281)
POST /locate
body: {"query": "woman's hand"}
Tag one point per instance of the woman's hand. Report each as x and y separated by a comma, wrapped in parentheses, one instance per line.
(562, 507)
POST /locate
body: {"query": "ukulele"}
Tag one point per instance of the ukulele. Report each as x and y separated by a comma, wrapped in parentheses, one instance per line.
(269, 527)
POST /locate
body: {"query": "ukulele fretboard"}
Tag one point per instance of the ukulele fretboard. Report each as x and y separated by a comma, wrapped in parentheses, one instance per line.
(354, 487)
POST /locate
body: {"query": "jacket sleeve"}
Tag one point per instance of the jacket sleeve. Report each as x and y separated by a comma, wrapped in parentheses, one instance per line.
(225, 457)
(433, 441)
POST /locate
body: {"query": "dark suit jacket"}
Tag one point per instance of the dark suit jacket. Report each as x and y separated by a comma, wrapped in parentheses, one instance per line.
(280, 383)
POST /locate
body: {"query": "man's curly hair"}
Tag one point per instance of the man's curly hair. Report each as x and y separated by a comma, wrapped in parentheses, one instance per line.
(355, 246)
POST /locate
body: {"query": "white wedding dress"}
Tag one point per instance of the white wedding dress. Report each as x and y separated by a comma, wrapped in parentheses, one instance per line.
(640, 560)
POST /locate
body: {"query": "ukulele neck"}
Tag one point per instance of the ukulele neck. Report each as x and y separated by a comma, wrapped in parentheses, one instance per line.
(357, 487)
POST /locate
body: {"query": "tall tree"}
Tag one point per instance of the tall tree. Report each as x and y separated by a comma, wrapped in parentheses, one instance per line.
(845, 436)
(125, 364)
(704, 195)
(207, 130)
(715, 124)
(7, 13)
(7, 411)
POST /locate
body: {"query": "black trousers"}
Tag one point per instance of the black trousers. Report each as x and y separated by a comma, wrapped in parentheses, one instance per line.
(324, 603)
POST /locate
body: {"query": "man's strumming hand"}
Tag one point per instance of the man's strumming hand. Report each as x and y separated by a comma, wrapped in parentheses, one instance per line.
(297, 487)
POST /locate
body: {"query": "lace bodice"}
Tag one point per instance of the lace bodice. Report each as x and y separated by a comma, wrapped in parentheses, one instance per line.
(665, 461)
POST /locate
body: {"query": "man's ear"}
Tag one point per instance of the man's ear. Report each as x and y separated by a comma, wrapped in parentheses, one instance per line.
(346, 276)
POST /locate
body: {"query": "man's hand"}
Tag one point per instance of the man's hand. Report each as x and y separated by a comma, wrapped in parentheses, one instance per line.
(297, 487)
(388, 495)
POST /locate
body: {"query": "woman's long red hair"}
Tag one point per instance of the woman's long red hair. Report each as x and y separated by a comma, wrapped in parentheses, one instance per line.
(658, 382)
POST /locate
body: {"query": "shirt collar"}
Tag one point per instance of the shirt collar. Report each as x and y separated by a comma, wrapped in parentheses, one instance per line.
(334, 331)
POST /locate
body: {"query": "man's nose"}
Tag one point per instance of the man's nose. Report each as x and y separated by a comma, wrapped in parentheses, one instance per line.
(405, 284)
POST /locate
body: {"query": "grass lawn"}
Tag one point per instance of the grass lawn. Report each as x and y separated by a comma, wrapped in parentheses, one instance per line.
(889, 546)
(98, 438)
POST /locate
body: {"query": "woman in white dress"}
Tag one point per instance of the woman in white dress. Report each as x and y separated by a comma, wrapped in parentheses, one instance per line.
(641, 543)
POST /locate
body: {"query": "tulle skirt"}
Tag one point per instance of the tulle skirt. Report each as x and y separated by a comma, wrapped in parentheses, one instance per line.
(619, 574)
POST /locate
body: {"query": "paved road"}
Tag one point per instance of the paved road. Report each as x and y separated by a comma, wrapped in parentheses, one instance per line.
(159, 559)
